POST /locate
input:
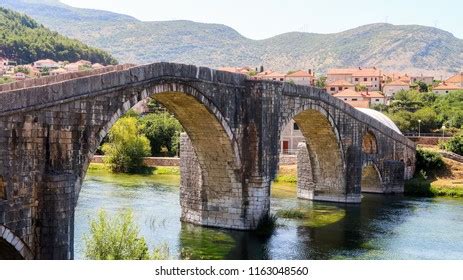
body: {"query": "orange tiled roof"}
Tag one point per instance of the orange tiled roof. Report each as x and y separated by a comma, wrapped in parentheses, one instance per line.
(359, 103)
(456, 79)
(372, 94)
(446, 86)
(397, 83)
(367, 72)
(348, 93)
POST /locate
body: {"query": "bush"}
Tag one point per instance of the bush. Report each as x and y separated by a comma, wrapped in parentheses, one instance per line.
(163, 131)
(454, 145)
(267, 225)
(428, 161)
(118, 238)
(126, 146)
(115, 239)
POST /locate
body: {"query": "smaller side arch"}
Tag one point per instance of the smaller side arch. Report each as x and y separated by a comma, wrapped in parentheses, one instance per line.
(371, 181)
(13, 247)
(369, 143)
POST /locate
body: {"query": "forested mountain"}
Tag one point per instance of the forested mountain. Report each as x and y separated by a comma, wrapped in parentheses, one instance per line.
(25, 40)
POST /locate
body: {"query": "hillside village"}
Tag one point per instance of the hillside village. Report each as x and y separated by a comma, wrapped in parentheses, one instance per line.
(10, 71)
(360, 87)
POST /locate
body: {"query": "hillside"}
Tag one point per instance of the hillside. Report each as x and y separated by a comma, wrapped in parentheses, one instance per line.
(410, 48)
(25, 40)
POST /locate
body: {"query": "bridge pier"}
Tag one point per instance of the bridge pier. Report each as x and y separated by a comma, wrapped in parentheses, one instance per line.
(236, 207)
(308, 189)
(56, 224)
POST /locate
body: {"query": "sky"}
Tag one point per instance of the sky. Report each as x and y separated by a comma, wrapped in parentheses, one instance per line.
(259, 19)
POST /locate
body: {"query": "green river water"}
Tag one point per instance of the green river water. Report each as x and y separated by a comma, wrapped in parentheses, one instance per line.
(381, 227)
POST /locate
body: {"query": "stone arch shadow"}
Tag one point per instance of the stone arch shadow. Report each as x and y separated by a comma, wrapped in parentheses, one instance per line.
(321, 161)
(12, 247)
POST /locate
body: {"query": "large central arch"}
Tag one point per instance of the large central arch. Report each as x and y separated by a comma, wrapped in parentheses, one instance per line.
(217, 188)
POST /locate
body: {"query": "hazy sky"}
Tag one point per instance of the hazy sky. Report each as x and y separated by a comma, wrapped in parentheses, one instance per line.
(260, 19)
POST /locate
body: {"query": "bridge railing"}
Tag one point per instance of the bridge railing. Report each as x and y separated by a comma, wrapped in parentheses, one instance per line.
(62, 77)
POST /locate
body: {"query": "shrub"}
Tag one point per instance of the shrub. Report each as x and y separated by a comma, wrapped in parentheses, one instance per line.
(267, 225)
(117, 238)
(454, 145)
(126, 146)
(428, 161)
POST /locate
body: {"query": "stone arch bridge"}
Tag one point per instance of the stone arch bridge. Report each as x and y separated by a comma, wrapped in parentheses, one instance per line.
(51, 127)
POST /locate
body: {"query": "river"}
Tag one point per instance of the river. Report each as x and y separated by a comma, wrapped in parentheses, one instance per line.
(381, 227)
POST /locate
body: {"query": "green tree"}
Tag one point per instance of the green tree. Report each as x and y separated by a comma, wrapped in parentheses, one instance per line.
(126, 146)
(359, 87)
(321, 82)
(406, 101)
(422, 87)
(163, 131)
(428, 118)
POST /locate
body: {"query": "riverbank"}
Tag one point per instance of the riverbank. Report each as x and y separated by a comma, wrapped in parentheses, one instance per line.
(449, 182)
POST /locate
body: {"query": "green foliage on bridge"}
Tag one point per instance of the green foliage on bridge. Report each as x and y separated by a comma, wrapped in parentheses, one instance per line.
(24, 40)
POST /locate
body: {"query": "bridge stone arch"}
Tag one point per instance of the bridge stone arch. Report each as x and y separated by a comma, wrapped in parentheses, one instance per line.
(321, 175)
(13, 247)
(371, 179)
(216, 187)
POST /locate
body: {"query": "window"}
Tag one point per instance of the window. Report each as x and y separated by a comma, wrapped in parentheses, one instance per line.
(376, 79)
(356, 79)
(332, 89)
(340, 88)
(365, 79)
(295, 126)
(354, 99)
(377, 100)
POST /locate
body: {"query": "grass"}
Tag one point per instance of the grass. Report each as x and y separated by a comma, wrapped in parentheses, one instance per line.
(158, 170)
(291, 214)
(166, 175)
(447, 181)
(427, 188)
(287, 174)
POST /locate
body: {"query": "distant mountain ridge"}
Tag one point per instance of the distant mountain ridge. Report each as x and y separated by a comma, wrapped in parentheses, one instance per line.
(407, 48)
